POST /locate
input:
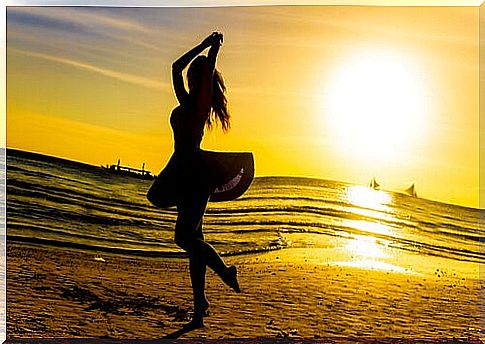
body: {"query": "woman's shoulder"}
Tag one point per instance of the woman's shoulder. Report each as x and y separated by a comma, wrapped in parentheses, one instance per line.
(181, 113)
(179, 110)
(185, 106)
(185, 109)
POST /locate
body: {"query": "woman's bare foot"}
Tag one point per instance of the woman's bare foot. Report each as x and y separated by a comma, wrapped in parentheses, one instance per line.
(231, 280)
(196, 322)
(199, 313)
(203, 309)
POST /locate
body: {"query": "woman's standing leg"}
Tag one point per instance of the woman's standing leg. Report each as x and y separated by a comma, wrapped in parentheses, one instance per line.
(197, 276)
(188, 235)
(188, 230)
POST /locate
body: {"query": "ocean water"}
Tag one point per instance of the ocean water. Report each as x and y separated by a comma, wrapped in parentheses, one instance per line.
(66, 204)
(3, 263)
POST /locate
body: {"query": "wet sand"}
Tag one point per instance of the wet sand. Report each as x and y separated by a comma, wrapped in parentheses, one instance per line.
(295, 293)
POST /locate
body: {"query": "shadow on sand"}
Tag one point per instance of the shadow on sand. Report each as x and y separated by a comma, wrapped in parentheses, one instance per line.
(185, 329)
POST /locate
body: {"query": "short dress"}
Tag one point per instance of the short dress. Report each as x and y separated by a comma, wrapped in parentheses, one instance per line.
(221, 176)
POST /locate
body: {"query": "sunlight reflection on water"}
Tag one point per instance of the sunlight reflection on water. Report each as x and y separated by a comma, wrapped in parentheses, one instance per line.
(367, 251)
(366, 247)
(366, 197)
(370, 227)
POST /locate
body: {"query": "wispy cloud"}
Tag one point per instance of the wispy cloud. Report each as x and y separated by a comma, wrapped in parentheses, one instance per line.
(94, 20)
(129, 78)
(84, 22)
(360, 19)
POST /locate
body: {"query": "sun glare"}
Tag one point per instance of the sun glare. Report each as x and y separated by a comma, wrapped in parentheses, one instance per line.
(374, 104)
(366, 197)
(366, 246)
(368, 253)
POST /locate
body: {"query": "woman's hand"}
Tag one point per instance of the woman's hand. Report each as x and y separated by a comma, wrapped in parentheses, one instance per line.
(212, 39)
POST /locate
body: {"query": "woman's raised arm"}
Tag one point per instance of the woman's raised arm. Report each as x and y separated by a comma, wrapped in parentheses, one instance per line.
(179, 65)
(213, 51)
(204, 97)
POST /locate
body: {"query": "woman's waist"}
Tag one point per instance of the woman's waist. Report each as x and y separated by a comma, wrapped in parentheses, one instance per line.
(186, 149)
(187, 142)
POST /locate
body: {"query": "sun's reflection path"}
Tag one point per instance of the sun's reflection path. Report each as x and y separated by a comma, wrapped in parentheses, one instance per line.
(366, 247)
(369, 251)
(370, 227)
(366, 197)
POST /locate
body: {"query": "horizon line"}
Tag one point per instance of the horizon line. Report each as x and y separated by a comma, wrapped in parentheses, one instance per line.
(256, 176)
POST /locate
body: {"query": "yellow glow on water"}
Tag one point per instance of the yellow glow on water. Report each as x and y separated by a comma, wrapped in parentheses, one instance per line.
(367, 253)
(371, 227)
(366, 197)
(366, 246)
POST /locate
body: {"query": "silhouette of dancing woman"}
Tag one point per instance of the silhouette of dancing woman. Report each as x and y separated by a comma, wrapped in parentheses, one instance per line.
(194, 176)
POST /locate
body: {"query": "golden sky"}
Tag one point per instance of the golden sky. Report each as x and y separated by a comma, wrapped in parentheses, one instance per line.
(333, 92)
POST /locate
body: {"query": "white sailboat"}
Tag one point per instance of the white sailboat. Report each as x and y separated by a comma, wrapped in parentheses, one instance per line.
(373, 184)
(411, 191)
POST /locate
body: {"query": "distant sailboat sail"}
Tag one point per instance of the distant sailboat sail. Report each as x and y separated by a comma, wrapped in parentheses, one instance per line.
(373, 184)
(411, 191)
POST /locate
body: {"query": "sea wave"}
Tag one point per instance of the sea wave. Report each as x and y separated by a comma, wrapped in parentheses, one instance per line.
(62, 203)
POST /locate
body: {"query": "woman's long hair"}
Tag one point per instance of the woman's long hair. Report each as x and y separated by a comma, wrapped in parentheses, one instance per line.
(219, 103)
(219, 112)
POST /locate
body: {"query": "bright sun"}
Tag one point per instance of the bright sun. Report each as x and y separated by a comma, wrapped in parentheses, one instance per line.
(374, 105)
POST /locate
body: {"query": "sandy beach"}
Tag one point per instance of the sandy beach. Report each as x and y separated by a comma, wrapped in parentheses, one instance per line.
(300, 293)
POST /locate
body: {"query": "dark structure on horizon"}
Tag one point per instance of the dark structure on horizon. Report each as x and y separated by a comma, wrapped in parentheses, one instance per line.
(130, 171)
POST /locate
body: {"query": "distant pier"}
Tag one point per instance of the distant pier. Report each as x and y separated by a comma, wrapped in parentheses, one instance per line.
(130, 171)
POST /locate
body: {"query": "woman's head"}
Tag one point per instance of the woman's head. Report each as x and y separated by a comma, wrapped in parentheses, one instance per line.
(195, 72)
(219, 112)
